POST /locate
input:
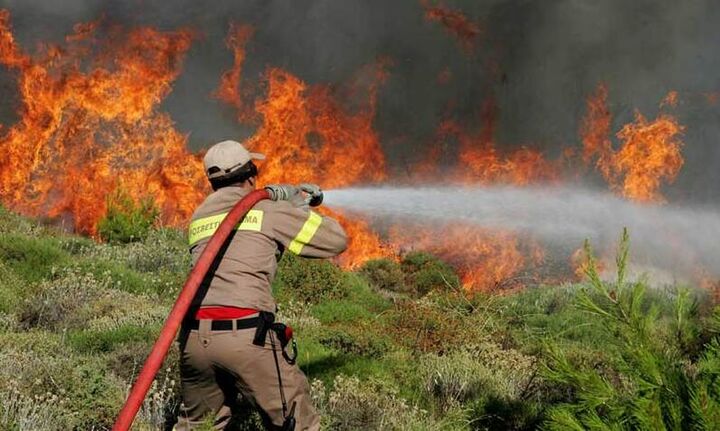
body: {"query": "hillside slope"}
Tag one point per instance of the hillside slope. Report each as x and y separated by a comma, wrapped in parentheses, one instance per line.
(395, 346)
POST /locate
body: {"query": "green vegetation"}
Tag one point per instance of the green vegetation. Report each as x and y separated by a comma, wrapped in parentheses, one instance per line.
(127, 220)
(393, 346)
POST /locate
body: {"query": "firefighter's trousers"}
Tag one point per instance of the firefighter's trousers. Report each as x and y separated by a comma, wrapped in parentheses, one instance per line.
(216, 366)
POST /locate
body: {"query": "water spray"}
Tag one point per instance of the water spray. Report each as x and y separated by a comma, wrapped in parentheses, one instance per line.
(665, 237)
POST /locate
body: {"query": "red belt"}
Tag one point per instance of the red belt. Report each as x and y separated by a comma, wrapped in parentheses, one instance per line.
(223, 313)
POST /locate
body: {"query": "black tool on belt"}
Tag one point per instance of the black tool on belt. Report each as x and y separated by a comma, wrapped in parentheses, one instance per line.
(284, 334)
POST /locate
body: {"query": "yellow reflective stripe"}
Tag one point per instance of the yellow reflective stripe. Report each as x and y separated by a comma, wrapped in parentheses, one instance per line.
(204, 227)
(306, 233)
(252, 221)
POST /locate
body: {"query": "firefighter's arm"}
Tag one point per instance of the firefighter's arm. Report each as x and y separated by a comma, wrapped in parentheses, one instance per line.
(307, 233)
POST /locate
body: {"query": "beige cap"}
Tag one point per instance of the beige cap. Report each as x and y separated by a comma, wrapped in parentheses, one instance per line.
(226, 157)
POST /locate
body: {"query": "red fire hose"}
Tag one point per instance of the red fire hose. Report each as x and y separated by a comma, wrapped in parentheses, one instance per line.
(177, 314)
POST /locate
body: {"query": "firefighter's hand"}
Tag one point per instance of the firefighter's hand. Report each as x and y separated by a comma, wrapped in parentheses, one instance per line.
(314, 194)
(282, 192)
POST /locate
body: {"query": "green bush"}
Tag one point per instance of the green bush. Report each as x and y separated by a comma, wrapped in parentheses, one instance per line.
(427, 273)
(351, 404)
(358, 343)
(108, 340)
(126, 220)
(57, 302)
(309, 280)
(385, 274)
(40, 366)
(657, 385)
(12, 289)
(33, 259)
(11, 222)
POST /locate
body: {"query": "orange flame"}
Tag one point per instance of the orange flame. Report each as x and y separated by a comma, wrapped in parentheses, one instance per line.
(90, 124)
(487, 260)
(309, 132)
(363, 244)
(83, 133)
(595, 132)
(478, 161)
(230, 87)
(455, 23)
(649, 155)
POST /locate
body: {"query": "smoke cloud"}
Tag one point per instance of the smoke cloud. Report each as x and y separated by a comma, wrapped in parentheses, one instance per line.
(537, 60)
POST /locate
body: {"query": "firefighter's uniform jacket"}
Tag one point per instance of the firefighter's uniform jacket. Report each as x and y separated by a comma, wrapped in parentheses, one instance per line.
(217, 365)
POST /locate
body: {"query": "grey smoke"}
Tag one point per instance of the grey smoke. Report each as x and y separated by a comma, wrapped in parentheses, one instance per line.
(664, 238)
(549, 55)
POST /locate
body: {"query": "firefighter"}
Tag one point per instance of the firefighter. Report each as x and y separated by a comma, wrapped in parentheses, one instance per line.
(229, 342)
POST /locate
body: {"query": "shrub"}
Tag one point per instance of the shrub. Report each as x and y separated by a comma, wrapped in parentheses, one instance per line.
(309, 280)
(57, 302)
(385, 274)
(127, 220)
(297, 314)
(35, 363)
(114, 309)
(31, 258)
(351, 404)
(657, 386)
(105, 341)
(361, 343)
(438, 322)
(426, 273)
(11, 222)
(161, 404)
(495, 387)
(12, 289)
(21, 412)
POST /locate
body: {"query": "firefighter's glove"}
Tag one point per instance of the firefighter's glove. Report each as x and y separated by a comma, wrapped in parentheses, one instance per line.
(314, 195)
(282, 192)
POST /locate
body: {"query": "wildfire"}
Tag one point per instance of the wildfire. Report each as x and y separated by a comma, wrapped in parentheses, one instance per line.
(364, 244)
(229, 90)
(90, 124)
(455, 22)
(649, 155)
(479, 162)
(487, 260)
(308, 130)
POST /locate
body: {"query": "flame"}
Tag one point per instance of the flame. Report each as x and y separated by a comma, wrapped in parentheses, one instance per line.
(487, 260)
(649, 154)
(309, 132)
(363, 242)
(670, 100)
(478, 161)
(90, 124)
(229, 90)
(595, 132)
(455, 23)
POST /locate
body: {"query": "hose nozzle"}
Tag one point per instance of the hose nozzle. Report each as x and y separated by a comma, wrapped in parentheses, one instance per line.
(315, 193)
